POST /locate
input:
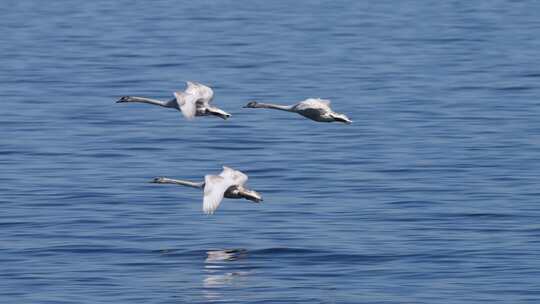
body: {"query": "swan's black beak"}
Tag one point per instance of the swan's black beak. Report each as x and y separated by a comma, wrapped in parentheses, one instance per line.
(156, 180)
(122, 99)
(250, 104)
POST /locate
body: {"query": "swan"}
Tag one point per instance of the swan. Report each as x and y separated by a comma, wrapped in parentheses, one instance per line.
(229, 183)
(313, 108)
(194, 101)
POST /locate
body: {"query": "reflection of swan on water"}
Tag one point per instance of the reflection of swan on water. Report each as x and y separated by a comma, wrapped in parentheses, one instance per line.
(218, 280)
(225, 255)
(218, 266)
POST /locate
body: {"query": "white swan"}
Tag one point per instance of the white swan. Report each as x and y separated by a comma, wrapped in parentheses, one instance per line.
(313, 108)
(194, 101)
(229, 183)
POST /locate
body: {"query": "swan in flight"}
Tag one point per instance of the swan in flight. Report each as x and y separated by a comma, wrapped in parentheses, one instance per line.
(229, 183)
(313, 108)
(194, 101)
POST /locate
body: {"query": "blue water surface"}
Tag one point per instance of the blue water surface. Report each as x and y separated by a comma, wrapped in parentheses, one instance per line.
(430, 196)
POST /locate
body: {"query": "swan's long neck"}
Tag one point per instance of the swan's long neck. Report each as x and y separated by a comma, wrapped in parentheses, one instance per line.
(149, 101)
(165, 180)
(274, 106)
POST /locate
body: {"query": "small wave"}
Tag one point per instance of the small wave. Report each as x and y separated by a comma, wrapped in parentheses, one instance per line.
(89, 249)
(514, 88)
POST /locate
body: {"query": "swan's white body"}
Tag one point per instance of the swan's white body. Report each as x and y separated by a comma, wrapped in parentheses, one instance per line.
(229, 183)
(194, 101)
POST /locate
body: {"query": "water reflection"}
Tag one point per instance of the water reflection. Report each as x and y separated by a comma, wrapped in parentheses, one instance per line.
(223, 268)
(225, 255)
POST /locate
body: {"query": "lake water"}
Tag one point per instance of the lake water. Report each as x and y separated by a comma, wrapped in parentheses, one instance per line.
(430, 196)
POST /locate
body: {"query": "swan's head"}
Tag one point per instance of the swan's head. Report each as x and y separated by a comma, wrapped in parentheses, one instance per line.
(251, 104)
(125, 99)
(341, 118)
(159, 180)
(252, 195)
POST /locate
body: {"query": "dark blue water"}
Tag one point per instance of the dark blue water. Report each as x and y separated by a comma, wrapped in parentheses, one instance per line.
(430, 196)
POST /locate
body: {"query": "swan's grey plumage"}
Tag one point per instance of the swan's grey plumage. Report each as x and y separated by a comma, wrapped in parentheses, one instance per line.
(230, 183)
(193, 101)
(316, 109)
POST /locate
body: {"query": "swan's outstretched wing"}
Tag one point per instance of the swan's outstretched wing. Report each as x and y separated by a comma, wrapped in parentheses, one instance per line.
(203, 93)
(314, 103)
(187, 103)
(214, 190)
(326, 102)
(207, 94)
(236, 176)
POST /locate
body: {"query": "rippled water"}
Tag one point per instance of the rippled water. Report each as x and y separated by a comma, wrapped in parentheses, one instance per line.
(431, 196)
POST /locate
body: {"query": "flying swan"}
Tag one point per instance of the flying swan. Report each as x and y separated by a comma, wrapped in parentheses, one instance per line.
(313, 108)
(229, 183)
(194, 101)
